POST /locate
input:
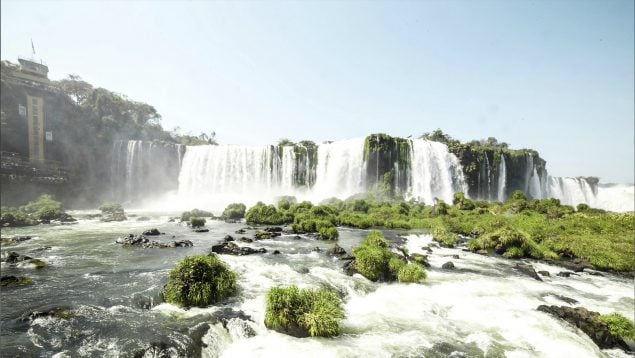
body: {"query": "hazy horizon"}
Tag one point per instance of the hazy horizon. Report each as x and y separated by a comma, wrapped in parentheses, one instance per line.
(552, 76)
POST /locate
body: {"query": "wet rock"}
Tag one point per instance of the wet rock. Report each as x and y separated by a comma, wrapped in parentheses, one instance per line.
(566, 299)
(276, 252)
(349, 268)
(420, 259)
(404, 252)
(201, 230)
(448, 266)
(240, 231)
(347, 257)
(316, 249)
(564, 274)
(273, 229)
(174, 219)
(108, 217)
(246, 239)
(225, 314)
(456, 257)
(14, 258)
(575, 265)
(336, 250)
(528, 270)
(589, 322)
(262, 235)
(228, 238)
(196, 333)
(17, 239)
(230, 248)
(143, 218)
(303, 270)
(483, 252)
(55, 312)
(6, 281)
(151, 232)
(297, 237)
(544, 273)
(144, 242)
(593, 272)
(157, 350)
(427, 248)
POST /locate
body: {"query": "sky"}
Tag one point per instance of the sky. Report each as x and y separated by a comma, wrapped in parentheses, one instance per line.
(555, 76)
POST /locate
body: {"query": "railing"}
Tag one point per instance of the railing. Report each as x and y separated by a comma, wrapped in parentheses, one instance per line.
(14, 166)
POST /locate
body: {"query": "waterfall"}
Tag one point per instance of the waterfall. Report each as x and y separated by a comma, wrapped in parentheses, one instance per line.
(571, 191)
(488, 175)
(435, 172)
(140, 168)
(340, 169)
(502, 179)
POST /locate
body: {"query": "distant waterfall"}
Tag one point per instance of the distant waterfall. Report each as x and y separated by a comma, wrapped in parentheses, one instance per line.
(141, 168)
(502, 179)
(434, 173)
(572, 191)
(340, 169)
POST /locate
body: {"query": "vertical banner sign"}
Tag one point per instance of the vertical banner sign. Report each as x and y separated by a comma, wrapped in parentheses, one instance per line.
(35, 123)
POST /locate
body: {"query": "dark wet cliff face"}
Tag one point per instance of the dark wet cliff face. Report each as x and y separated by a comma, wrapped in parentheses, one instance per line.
(388, 162)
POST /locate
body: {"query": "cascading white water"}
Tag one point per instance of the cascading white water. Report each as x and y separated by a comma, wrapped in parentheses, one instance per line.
(502, 179)
(434, 172)
(340, 169)
(288, 164)
(488, 173)
(534, 185)
(571, 191)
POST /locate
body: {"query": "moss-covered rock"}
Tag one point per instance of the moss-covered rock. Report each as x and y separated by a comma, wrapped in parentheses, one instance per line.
(112, 212)
(186, 215)
(196, 222)
(262, 214)
(303, 312)
(6, 281)
(199, 281)
(234, 211)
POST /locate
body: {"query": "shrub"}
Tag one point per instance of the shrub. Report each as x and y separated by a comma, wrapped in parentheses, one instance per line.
(328, 233)
(46, 208)
(14, 217)
(199, 281)
(197, 222)
(265, 214)
(461, 202)
(186, 215)
(444, 237)
(619, 325)
(440, 208)
(375, 238)
(412, 272)
(374, 261)
(303, 312)
(234, 211)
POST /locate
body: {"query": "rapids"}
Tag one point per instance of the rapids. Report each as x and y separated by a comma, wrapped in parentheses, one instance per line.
(482, 308)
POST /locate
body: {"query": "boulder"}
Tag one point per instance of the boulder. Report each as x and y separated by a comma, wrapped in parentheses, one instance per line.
(564, 274)
(246, 239)
(263, 235)
(273, 229)
(228, 238)
(201, 230)
(143, 218)
(230, 248)
(144, 242)
(151, 232)
(589, 322)
(528, 270)
(448, 266)
(6, 281)
(349, 268)
(544, 273)
(336, 250)
(276, 252)
(56, 312)
(240, 231)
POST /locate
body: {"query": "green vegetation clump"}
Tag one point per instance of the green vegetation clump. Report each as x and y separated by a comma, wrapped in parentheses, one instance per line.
(444, 237)
(375, 261)
(412, 272)
(12, 217)
(265, 215)
(186, 215)
(303, 312)
(519, 227)
(199, 281)
(234, 211)
(197, 222)
(43, 209)
(619, 325)
(112, 212)
(328, 233)
(6, 281)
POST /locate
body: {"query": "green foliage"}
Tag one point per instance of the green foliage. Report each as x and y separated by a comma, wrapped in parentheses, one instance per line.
(328, 233)
(374, 261)
(285, 142)
(444, 237)
(440, 208)
(266, 215)
(44, 208)
(12, 217)
(199, 281)
(234, 211)
(412, 272)
(303, 312)
(197, 222)
(619, 325)
(186, 215)
(461, 202)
